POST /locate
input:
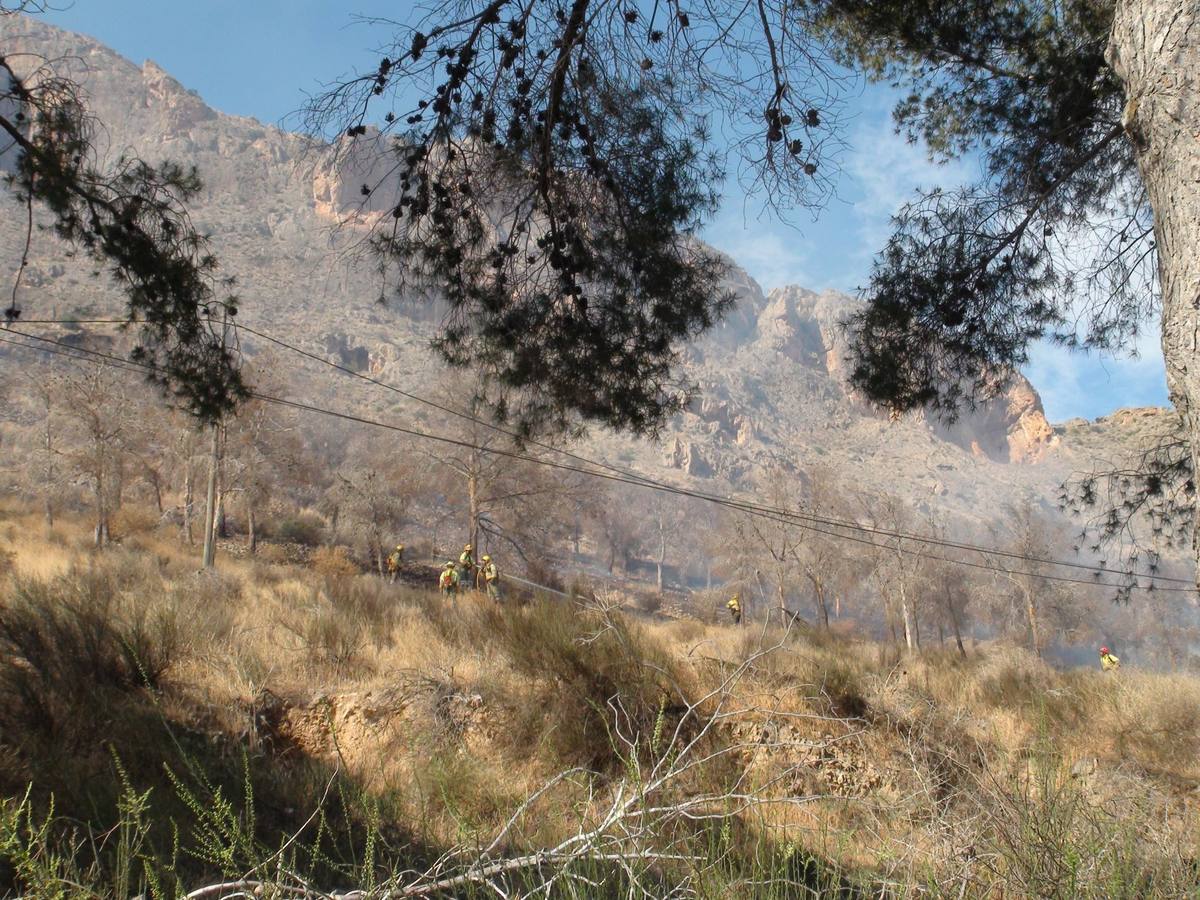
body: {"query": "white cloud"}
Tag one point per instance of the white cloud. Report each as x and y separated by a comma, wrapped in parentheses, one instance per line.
(769, 251)
(884, 172)
(1090, 385)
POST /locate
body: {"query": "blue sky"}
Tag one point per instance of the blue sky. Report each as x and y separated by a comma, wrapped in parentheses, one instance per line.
(259, 58)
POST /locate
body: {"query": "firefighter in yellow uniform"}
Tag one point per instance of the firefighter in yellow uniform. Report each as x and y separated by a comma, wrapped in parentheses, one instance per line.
(395, 558)
(490, 577)
(448, 580)
(735, 609)
(466, 566)
(1108, 662)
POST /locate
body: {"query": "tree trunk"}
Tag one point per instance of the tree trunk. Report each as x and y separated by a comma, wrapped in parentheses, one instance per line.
(954, 621)
(100, 533)
(1154, 49)
(188, 499)
(819, 592)
(210, 506)
(156, 486)
(889, 614)
(1035, 637)
(905, 611)
(662, 553)
(906, 618)
(49, 448)
(251, 529)
(473, 511)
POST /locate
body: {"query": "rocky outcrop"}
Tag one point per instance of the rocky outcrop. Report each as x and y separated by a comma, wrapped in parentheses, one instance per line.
(344, 353)
(787, 326)
(723, 418)
(1010, 428)
(358, 178)
(1029, 434)
(180, 109)
(689, 457)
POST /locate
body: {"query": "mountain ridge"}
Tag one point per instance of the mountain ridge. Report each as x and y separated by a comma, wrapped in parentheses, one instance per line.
(771, 373)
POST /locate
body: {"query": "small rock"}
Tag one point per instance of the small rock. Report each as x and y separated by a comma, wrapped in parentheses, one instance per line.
(1084, 768)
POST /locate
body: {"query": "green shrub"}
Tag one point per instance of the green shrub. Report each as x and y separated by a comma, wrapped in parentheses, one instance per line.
(305, 528)
(66, 643)
(584, 671)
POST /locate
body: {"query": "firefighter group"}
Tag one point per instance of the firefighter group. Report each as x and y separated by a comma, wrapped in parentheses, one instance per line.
(484, 577)
(454, 579)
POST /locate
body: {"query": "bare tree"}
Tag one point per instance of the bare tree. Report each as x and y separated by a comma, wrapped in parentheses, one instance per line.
(897, 564)
(1043, 605)
(44, 458)
(504, 497)
(260, 447)
(663, 533)
(617, 523)
(376, 491)
(100, 434)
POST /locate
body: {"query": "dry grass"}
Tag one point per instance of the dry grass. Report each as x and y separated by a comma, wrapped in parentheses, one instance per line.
(448, 714)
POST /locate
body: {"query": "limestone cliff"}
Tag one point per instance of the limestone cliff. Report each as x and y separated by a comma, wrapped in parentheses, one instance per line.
(771, 375)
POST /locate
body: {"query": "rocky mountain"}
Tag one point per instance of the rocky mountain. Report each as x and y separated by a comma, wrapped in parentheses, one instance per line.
(286, 219)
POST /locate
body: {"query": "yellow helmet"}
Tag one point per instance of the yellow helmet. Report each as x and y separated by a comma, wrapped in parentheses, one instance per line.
(486, 558)
(448, 565)
(466, 547)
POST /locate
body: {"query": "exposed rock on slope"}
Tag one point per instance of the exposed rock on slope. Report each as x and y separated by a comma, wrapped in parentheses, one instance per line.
(772, 374)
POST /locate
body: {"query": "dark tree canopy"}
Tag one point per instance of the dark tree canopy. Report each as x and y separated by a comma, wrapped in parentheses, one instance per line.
(550, 164)
(131, 217)
(1144, 504)
(1055, 239)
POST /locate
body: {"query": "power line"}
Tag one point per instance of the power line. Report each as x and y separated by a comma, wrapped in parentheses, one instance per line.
(749, 507)
(662, 487)
(778, 516)
(644, 480)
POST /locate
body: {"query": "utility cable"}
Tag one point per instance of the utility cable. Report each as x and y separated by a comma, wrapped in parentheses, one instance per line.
(664, 488)
(731, 502)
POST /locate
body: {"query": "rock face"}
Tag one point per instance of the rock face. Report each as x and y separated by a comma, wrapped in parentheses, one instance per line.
(772, 374)
(1010, 428)
(688, 457)
(355, 180)
(803, 327)
(181, 110)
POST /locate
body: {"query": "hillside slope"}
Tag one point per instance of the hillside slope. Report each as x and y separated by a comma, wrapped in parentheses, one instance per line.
(771, 375)
(275, 706)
